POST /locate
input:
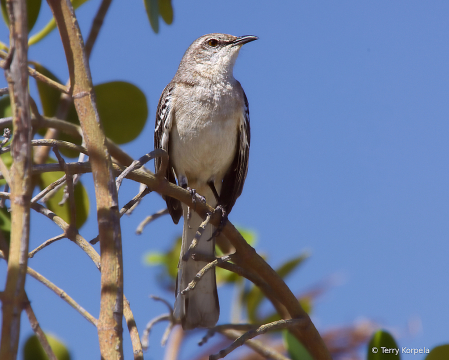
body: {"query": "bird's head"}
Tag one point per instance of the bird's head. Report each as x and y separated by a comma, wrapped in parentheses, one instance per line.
(213, 55)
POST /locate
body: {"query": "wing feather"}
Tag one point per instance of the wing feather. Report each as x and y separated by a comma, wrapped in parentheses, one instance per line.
(164, 118)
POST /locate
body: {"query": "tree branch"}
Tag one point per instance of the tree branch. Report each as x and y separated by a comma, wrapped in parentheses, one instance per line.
(111, 307)
(16, 72)
(74, 131)
(38, 331)
(90, 251)
(149, 219)
(37, 75)
(259, 347)
(63, 295)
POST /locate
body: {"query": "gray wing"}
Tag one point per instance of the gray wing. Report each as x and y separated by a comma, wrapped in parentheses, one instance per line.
(235, 177)
(162, 129)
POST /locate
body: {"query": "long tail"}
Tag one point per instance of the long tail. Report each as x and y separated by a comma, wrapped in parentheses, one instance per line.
(198, 307)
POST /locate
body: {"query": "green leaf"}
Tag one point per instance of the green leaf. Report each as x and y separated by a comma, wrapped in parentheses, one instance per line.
(49, 96)
(123, 110)
(168, 260)
(7, 159)
(81, 198)
(72, 117)
(5, 107)
(287, 267)
(166, 11)
(382, 346)
(33, 8)
(254, 297)
(249, 235)
(51, 25)
(5, 224)
(295, 349)
(439, 353)
(152, 8)
(225, 276)
(50, 99)
(32, 350)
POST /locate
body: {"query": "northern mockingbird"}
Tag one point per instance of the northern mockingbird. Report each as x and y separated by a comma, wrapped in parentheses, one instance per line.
(202, 121)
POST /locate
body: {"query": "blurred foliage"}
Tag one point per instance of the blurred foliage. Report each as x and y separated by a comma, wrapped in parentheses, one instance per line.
(122, 108)
(253, 296)
(295, 349)
(33, 8)
(51, 25)
(439, 353)
(156, 8)
(80, 194)
(382, 338)
(32, 349)
(5, 106)
(5, 224)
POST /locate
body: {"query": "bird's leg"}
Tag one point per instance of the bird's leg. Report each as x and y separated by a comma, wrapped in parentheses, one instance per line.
(195, 196)
(224, 215)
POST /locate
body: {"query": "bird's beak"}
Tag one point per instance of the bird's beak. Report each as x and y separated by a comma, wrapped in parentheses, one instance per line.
(244, 39)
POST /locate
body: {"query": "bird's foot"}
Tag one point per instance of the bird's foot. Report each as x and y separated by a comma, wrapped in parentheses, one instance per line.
(195, 196)
(224, 219)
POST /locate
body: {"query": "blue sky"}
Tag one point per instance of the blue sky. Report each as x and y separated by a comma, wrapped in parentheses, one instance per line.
(349, 159)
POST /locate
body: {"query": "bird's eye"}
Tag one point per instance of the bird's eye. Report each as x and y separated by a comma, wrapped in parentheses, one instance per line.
(213, 42)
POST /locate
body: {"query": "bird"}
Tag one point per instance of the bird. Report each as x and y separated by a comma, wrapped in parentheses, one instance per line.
(202, 122)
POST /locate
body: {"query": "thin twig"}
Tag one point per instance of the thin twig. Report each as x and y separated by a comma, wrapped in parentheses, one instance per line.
(125, 208)
(96, 26)
(197, 237)
(6, 136)
(169, 317)
(69, 188)
(75, 131)
(52, 186)
(38, 330)
(38, 76)
(131, 209)
(76, 178)
(52, 143)
(46, 243)
(136, 164)
(276, 325)
(3, 169)
(220, 328)
(174, 344)
(149, 219)
(134, 200)
(157, 298)
(146, 333)
(90, 251)
(201, 273)
(2, 199)
(259, 346)
(63, 295)
(34, 108)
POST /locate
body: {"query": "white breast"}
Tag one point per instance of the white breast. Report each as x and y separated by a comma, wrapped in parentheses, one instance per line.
(203, 137)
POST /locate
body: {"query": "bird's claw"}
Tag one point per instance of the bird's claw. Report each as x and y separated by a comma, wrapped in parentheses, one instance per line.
(224, 219)
(195, 196)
